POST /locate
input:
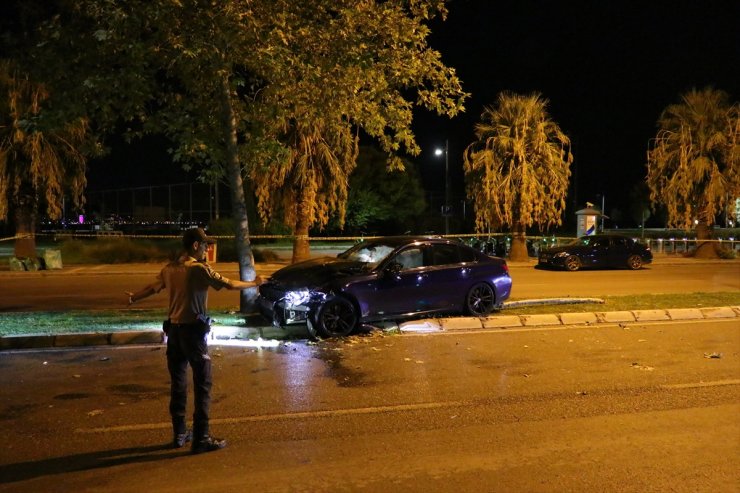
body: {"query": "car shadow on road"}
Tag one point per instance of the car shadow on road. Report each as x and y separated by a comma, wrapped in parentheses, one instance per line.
(22, 471)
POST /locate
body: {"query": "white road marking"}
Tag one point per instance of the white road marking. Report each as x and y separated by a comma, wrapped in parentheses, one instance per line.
(349, 412)
(284, 416)
(695, 385)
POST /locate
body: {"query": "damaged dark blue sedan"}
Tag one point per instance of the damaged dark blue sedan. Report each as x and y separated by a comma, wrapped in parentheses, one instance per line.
(388, 278)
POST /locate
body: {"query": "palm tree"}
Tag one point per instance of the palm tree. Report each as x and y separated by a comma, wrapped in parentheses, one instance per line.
(38, 163)
(517, 171)
(693, 161)
(312, 182)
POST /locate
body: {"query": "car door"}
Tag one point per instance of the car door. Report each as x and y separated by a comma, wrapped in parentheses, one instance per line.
(403, 290)
(444, 275)
(619, 251)
(598, 253)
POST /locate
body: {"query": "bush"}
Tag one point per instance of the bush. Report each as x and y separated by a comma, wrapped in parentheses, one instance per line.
(265, 255)
(726, 253)
(118, 251)
(226, 252)
(124, 250)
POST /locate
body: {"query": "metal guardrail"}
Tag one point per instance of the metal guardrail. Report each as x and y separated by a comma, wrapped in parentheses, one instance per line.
(683, 245)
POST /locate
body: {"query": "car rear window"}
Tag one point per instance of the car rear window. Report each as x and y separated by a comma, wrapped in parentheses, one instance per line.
(444, 254)
(467, 255)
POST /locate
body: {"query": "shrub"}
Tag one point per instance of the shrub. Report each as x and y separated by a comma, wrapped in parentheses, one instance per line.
(118, 251)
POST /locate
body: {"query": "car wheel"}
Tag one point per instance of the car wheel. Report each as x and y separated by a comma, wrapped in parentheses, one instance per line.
(572, 263)
(336, 318)
(634, 262)
(481, 300)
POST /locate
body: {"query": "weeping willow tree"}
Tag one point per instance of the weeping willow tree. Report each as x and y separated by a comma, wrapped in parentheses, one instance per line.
(694, 162)
(40, 163)
(517, 171)
(312, 181)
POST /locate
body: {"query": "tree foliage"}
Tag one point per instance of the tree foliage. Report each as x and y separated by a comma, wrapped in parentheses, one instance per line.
(383, 201)
(518, 169)
(40, 162)
(694, 161)
(42, 153)
(249, 86)
(344, 66)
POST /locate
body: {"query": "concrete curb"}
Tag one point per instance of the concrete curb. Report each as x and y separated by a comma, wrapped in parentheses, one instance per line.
(452, 324)
(81, 339)
(571, 319)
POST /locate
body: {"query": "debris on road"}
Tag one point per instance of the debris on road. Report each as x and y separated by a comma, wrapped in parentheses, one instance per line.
(638, 366)
(713, 355)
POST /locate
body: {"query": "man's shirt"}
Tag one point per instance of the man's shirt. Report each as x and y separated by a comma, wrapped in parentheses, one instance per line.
(187, 282)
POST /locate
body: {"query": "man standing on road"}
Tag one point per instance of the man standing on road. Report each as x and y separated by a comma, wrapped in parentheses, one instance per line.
(188, 279)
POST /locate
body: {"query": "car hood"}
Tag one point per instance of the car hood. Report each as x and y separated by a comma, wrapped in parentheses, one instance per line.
(317, 272)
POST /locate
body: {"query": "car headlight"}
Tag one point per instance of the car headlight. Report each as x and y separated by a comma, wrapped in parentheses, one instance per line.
(561, 254)
(298, 297)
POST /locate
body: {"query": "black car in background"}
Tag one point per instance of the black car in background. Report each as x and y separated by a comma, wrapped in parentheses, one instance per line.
(386, 278)
(597, 251)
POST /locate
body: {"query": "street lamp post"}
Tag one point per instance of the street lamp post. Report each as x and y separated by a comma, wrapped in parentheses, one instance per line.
(603, 216)
(445, 209)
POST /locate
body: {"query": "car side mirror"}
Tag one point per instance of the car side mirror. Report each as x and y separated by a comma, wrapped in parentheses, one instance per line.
(393, 268)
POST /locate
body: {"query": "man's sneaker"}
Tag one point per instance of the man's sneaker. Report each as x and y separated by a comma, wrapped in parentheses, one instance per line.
(182, 438)
(207, 444)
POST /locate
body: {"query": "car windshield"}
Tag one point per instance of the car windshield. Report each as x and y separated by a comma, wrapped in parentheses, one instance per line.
(371, 253)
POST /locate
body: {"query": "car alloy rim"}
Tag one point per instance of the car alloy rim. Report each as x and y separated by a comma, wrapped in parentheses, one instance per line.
(481, 299)
(337, 318)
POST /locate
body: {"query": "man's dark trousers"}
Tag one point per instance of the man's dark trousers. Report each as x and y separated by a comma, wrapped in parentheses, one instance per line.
(186, 344)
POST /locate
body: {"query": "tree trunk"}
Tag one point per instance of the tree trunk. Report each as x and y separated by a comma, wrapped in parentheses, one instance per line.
(301, 245)
(705, 249)
(247, 271)
(25, 230)
(518, 250)
(25, 210)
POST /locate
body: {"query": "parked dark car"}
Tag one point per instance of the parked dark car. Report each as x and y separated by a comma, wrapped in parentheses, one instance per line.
(385, 279)
(597, 251)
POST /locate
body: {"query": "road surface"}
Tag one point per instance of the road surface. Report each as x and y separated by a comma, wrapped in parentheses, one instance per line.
(99, 287)
(644, 408)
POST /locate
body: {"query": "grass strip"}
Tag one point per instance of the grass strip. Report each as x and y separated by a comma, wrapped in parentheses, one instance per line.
(636, 302)
(51, 323)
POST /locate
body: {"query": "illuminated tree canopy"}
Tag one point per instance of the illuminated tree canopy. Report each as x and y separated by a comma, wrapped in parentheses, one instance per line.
(517, 171)
(40, 161)
(694, 161)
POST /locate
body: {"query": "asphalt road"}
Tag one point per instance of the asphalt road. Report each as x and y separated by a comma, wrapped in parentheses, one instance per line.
(644, 408)
(98, 287)
(638, 407)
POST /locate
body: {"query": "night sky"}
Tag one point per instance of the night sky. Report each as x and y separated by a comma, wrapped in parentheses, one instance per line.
(608, 68)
